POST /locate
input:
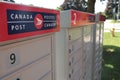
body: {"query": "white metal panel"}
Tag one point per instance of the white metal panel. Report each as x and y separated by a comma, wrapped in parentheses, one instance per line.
(76, 57)
(15, 56)
(35, 71)
(75, 33)
(74, 69)
(77, 76)
(65, 19)
(76, 45)
(61, 54)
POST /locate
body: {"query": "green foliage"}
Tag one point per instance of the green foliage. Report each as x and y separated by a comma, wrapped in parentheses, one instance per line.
(59, 8)
(115, 21)
(10, 1)
(80, 5)
(112, 9)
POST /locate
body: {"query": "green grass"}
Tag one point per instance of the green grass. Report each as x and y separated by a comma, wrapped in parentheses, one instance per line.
(113, 21)
(111, 57)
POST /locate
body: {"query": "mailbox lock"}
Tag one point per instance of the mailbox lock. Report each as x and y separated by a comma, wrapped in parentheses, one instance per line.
(69, 37)
(69, 63)
(69, 50)
(69, 75)
(18, 79)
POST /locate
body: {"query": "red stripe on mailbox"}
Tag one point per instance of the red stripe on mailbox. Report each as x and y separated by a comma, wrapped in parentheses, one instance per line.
(8, 31)
(79, 18)
(102, 18)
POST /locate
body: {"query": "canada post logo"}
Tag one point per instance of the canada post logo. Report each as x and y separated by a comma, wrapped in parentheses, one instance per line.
(25, 21)
(38, 21)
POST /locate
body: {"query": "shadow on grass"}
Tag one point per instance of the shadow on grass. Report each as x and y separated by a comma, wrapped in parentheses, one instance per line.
(111, 63)
(117, 36)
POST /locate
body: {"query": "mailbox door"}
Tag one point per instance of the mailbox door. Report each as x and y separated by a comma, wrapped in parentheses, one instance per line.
(75, 44)
(39, 70)
(74, 33)
(18, 55)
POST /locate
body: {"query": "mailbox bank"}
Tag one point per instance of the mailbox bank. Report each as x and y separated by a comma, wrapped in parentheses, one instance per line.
(27, 42)
(31, 48)
(74, 46)
(98, 46)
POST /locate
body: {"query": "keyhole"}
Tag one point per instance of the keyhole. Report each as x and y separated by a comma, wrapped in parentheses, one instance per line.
(69, 50)
(69, 63)
(69, 37)
(69, 75)
(18, 79)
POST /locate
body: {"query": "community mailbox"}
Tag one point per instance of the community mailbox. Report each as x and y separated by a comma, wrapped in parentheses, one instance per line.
(72, 51)
(27, 42)
(98, 46)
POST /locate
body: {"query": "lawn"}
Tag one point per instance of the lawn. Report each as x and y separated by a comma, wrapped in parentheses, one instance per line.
(111, 57)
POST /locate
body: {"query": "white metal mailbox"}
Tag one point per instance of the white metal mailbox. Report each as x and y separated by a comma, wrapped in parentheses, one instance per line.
(98, 46)
(71, 44)
(36, 71)
(27, 47)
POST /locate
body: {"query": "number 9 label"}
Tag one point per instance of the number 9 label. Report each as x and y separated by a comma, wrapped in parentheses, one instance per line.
(13, 59)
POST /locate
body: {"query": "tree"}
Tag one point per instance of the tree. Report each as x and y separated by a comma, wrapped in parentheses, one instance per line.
(10, 1)
(112, 9)
(91, 6)
(81, 5)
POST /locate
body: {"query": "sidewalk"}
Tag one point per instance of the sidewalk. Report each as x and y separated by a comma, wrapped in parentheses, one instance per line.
(108, 25)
